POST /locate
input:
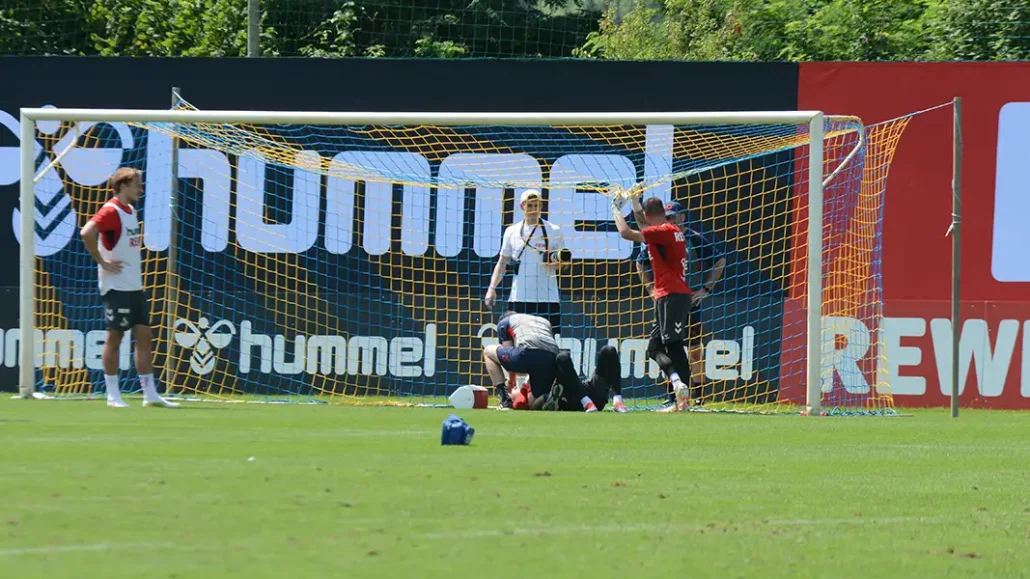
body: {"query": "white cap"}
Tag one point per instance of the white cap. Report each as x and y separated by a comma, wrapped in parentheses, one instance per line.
(527, 195)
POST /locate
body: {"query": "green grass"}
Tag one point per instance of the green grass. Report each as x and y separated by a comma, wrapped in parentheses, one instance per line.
(87, 491)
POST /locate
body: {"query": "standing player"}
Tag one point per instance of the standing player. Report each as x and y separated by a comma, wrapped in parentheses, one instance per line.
(666, 245)
(113, 238)
(709, 260)
(535, 245)
(527, 346)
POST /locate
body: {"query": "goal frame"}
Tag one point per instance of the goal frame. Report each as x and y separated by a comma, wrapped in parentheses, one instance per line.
(814, 119)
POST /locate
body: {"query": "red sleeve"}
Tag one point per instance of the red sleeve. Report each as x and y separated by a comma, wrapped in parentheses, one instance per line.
(107, 219)
(659, 235)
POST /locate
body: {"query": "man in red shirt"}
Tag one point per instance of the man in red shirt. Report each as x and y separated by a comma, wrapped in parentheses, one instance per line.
(673, 300)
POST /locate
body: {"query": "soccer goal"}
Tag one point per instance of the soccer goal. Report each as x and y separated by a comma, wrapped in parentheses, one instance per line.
(345, 257)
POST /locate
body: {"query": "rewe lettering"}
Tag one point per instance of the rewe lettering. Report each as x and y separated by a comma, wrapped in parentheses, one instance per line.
(996, 358)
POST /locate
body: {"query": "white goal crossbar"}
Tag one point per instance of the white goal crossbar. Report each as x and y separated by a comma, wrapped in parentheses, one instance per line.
(814, 120)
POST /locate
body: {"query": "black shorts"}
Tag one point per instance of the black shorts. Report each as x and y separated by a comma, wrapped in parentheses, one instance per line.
(125, 310)
(539, 364)
(549, 310)
(676, 319)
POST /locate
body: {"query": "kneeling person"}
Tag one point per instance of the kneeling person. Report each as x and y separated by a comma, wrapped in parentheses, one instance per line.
(527, 346)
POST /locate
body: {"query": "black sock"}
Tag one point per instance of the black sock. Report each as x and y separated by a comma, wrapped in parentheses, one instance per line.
(679, 359)
(657, 352)
(502, 390)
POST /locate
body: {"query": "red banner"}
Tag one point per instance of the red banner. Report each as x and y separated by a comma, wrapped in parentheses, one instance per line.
(994, 353)
(995, 220)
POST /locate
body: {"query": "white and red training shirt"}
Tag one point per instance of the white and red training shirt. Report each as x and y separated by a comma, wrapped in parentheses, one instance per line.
(120, 240)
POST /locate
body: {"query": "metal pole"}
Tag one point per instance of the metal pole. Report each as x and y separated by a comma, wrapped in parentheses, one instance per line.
(171, 298)
(27, 265)
(253, 28)
(340, 118)
(956, 250)
(815, 266)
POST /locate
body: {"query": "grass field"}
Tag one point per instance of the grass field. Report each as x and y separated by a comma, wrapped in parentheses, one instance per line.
(87, 491)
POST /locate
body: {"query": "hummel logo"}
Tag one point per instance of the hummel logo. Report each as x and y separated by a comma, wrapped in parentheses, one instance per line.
(55, 217)
(204, 338)
(89, 166)
(679, 327)
(10, 156)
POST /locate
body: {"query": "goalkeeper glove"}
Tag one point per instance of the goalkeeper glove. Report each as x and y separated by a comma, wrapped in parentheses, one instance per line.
(618, 203)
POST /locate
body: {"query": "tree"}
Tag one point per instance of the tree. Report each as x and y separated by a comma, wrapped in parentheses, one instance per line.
(676, 29)
(856, 30)
(169, 27)
(437, 28)
(792, 30)
(978, 30)
(787, 30)
(45, 27)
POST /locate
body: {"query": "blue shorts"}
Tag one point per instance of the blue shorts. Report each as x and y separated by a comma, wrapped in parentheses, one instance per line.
(539, 364)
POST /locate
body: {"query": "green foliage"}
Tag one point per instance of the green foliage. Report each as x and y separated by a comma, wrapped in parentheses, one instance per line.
(979, 30)
(169, 27)
(676, 29)
(788, 30)
(334, 36)
(791, 30)
(435, 29)
(44, 27)
(853, 30)
(315, 28)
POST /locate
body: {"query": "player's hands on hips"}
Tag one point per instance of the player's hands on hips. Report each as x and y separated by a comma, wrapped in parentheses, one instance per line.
(491, 297)
(699, 295)
(111, 266)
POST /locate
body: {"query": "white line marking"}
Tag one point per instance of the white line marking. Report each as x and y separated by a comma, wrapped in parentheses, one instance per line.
(680, 527)
(53, 549)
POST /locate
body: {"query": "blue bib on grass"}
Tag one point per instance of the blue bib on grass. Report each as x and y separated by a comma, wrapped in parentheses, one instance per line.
(456, 431)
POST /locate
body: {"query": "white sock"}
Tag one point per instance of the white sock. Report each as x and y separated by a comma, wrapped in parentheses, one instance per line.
(586, 401)
(678, 386)
(113, 393)
(617, 398)
(149, 390)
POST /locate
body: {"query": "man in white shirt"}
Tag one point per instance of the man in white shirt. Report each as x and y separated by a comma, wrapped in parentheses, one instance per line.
(113, 238)
(538, 247)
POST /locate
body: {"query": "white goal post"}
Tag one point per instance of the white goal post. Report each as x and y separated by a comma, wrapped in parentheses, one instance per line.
(813, 119)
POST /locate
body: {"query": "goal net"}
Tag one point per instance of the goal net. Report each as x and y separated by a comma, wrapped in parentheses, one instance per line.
(349, 262)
